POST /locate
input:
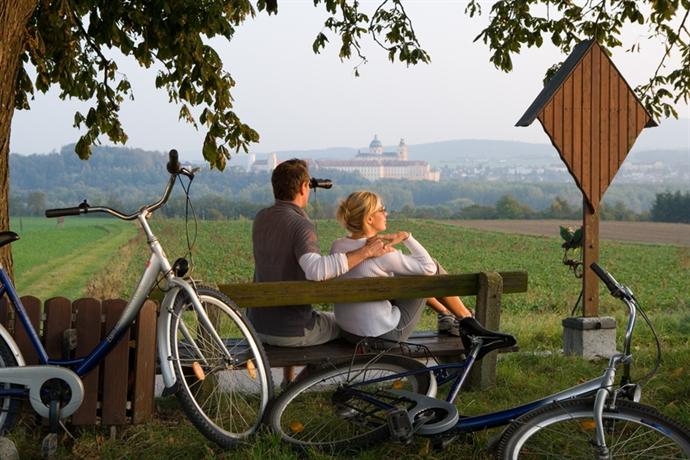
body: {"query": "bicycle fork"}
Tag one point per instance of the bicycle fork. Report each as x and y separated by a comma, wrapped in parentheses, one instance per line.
(603, 394)
(165, 322)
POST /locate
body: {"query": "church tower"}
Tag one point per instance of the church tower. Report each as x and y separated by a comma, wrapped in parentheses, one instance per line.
(402, 150)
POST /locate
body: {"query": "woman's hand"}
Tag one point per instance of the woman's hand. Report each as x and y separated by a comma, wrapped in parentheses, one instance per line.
(395, 238)
(377, 246)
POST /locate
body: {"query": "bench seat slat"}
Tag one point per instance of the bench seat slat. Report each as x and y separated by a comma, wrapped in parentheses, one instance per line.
(341, 350)
(439, 345)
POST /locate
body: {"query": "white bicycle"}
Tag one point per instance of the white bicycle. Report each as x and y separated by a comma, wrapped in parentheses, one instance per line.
(210, 356)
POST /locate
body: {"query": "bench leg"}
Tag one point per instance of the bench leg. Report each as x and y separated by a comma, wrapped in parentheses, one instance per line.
(488, 313)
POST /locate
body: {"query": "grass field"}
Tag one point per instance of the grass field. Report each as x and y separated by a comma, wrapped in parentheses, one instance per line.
(658, 274)
(54, 259)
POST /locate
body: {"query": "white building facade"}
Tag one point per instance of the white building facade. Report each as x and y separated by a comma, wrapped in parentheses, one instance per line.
(373, 164)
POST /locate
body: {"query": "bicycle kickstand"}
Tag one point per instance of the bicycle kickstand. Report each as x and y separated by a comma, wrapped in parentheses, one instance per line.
(50, 441)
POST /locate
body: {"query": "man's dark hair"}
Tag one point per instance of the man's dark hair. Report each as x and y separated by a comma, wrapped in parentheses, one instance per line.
(288, 177)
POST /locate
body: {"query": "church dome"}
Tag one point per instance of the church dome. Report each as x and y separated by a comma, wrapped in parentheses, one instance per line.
(376, 143)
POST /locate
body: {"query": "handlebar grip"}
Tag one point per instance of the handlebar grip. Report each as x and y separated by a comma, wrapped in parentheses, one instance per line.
(59, 212)
(173, 165)
(608, 280)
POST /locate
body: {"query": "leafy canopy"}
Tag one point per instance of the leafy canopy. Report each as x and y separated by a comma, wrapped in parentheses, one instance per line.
(517, 23)
(70, 44)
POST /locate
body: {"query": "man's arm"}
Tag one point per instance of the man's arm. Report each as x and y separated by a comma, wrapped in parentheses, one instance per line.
(374, 247)
(318, 268)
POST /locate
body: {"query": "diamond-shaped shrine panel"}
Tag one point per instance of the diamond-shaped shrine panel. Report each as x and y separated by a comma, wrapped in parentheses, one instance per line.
(593, 119)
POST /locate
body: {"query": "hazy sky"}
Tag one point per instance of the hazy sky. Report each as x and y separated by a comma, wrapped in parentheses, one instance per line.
(298, 100)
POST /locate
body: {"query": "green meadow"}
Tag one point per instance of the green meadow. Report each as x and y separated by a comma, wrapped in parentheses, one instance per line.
(658, 274)
(59, 259)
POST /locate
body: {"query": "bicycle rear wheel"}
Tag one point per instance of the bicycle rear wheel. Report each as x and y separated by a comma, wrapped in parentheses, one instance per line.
(223, 396)
(9, 406)
(566, 429)
(312, 412)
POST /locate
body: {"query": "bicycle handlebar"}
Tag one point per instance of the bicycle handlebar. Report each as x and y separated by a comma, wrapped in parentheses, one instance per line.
(606, 278)
(173, 167)
(59, 212)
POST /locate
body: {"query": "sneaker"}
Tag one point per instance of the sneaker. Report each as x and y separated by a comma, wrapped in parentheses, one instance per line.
(455, 328)
(449, 324)
(445, 322)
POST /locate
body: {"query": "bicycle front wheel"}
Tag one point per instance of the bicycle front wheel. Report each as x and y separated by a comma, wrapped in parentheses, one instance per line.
(315, 412)
(224, 387)
(9, 406)
(566, 429)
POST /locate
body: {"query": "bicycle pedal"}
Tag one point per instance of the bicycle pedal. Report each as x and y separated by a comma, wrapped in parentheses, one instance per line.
(49, 445)
(441, 442)
(399, 425)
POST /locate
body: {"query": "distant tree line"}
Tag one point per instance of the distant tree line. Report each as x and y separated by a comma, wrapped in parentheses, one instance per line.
(671, 207)
(127, 178)
(507, 207)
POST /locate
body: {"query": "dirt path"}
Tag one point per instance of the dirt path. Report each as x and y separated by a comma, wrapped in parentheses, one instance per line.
(640, 232)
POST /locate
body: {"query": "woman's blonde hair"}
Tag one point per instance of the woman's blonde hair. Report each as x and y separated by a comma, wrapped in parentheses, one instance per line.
(354, 209)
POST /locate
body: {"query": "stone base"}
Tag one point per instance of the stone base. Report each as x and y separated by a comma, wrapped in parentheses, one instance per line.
(593, 337)
(8, 451)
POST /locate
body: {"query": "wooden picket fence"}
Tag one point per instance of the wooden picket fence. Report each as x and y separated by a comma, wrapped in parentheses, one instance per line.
(120, 390)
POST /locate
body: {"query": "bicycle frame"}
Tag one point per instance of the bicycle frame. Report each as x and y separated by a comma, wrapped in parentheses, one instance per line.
(483, 421)
(81, 366)
(71, 370)
(602, 388)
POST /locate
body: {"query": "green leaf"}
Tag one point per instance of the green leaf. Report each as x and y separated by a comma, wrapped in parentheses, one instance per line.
(566, 233)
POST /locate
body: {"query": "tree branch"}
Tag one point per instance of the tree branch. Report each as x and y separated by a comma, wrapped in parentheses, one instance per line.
(95, 48)
(669, 47)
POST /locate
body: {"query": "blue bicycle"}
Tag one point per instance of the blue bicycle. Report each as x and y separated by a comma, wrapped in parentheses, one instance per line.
(380, 395)
(210, 356)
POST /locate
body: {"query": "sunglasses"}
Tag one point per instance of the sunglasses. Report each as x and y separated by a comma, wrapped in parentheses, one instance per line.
(381, 209)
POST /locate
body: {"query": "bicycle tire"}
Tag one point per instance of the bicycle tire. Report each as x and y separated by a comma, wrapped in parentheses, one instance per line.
(566, 429)
(306, 415)
(225, 399)
(9, 406)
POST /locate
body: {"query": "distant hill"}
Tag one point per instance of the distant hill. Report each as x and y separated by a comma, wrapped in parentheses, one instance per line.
(447, 152)
(668, 143)
(108, 168)
(127, 178)
(478, 151)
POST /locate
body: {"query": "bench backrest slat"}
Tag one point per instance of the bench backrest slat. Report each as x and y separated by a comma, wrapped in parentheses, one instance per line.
(363, 289)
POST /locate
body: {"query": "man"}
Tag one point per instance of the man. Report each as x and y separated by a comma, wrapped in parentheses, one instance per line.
(286, 248)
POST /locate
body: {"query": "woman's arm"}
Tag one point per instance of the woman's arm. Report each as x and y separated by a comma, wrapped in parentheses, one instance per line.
(395, 238)
(419, 262)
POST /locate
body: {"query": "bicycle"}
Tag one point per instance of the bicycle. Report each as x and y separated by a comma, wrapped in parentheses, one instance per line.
(373, 397)
(210, 356)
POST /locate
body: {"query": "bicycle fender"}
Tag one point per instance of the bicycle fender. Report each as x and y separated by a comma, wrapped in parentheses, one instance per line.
(9, 340)
(163, 337)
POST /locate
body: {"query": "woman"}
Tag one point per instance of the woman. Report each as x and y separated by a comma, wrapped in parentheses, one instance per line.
(364, 217)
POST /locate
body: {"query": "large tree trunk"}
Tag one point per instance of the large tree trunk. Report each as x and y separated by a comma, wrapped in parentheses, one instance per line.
(14, 15)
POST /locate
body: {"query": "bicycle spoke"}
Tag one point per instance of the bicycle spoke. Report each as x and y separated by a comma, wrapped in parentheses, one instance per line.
(225, 385)
(632, 431)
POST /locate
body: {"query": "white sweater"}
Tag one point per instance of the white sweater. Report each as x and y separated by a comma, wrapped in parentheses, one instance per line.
(377, 318)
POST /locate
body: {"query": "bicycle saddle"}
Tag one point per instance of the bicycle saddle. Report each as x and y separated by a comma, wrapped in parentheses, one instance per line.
(491, 340)
(7, 238)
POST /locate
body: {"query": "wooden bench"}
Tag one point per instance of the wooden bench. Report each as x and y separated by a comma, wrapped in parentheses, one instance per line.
(487, 286)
